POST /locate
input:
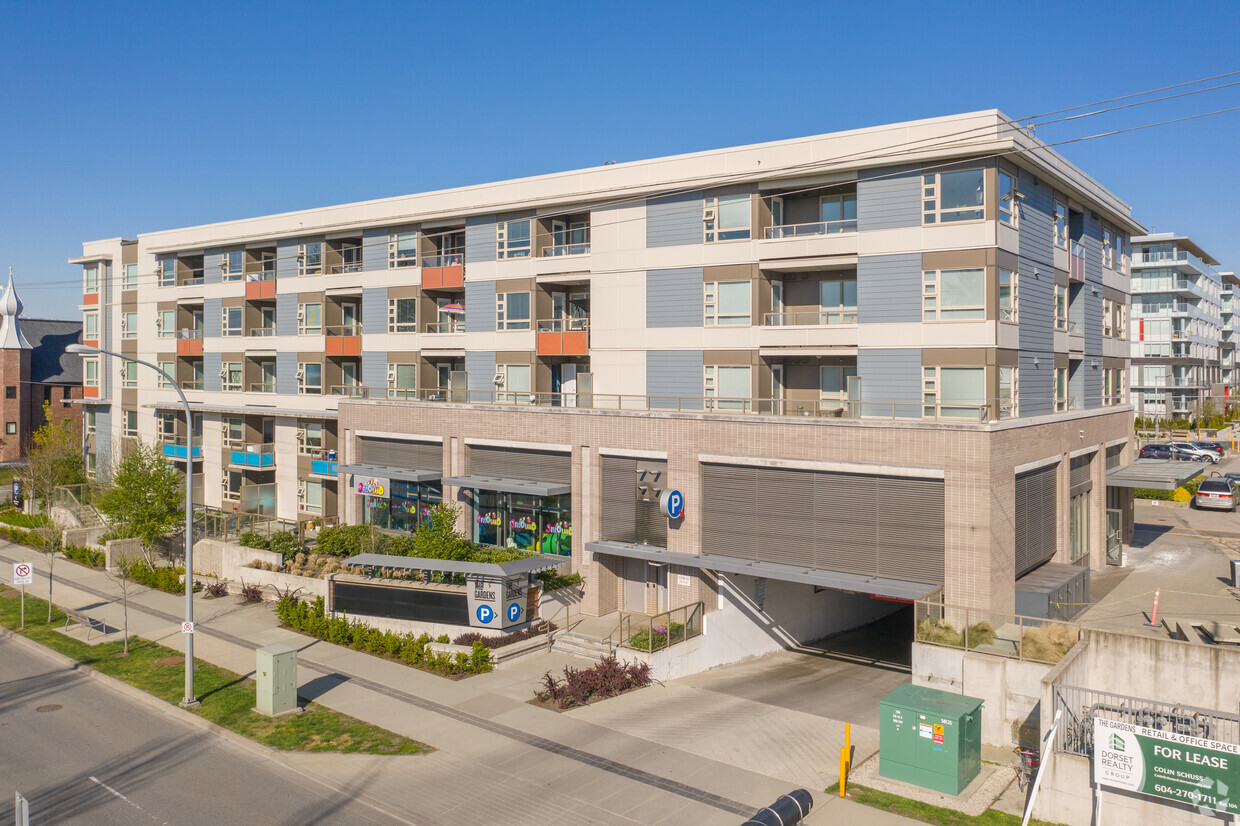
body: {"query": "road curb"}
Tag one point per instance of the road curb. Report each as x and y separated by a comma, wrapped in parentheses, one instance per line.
(177, 713)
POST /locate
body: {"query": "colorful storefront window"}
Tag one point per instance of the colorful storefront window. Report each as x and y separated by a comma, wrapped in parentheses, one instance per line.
(403, 508)
(538, 524)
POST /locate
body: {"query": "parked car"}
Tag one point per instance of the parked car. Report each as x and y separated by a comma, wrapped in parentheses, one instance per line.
(1217, 492)
(1235, 477)
(1217, 447)
(1198, 453)
(1166, 452)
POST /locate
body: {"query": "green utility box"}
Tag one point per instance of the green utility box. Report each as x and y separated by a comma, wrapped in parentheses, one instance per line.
(930, 738)
(276, 676)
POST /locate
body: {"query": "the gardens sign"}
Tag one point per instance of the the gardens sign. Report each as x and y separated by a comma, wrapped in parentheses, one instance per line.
(1163, 764)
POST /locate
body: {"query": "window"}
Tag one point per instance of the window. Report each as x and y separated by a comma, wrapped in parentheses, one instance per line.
(950, 197)
(1007, 296)
(310, 496)
(91, 422)
(232, 486)
(726, 303)
(513, 239)
(168, 272)
(1007, 393)
(1108, 246)
(1078, 527)
(91, 276)
(1007, 199)
(129, 277)
(954, 295)
(512, 311)
(403, 377)
(169, 368)
(1061, 389)
(1061, 308)
(1061, 224)
(310, 259)
(10, 428)
(230, 321)
(166, 323)
(403, 249)
(129, 325)
(514, 383)
(231, 377)
(1121, 320)
(726, 219)
(91, 370)
(233, 266)
(234, 430)
(402, 315)
(131, 424)
(838, 301)
(309, 437)
(310, 319)
(129, 374)
(1108, 318)
(834, 381)
(310, 378)
(90, 326)
(953, 392)
(838, 212)
(166, 425)
(10, 392)
(728, 386)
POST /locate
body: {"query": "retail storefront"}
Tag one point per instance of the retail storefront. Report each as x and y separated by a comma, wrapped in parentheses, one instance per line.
(400, 505)
(397, 481)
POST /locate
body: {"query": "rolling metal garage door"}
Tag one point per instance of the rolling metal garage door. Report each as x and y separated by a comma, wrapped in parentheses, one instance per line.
(629, 514)
(509, 463)
(855, 523)
(1035, 517)
(399, 453)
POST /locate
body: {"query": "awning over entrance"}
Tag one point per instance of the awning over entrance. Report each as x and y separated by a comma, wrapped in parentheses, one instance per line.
(857, 583)
(522, 486)
(403, 474)
(1159, 474)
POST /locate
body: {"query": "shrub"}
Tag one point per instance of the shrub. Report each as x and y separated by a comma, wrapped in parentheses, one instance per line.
(580, 686)
(217, 589)
(658, 637)
(553, 582)
(443, 638)
(1048, 643)
(471, 637)
(251, 593)
(84, 556)
(285, 544)
(249, 539)
(161, 579)
(351, 540)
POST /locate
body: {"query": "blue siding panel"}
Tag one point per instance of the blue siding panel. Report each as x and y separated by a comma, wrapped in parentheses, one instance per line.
(480, 372)
(211, 272)
(286, 374)
(674, 373)
(374, 368)
(212, 317)
(674, 298)
(889, 197)
(374, 249)
(286, 258)
(286, 314)
(1036, 391)
(374, 310)
(1036, 222)
(480, 307)
(891, 376)
(211, 364)
(480, 243)
(889, 288)
(674, 220)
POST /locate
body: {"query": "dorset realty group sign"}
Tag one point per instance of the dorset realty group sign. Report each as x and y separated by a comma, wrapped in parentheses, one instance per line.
(1163, 764)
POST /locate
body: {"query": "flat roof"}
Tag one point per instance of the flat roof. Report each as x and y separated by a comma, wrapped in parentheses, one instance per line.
(383, 472)
(530, 487)
(526, 565)
(1181, 241)
(1159, 474)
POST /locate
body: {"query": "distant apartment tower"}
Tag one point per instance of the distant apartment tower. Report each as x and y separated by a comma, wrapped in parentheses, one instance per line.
(1177, 309)
(1227, 353)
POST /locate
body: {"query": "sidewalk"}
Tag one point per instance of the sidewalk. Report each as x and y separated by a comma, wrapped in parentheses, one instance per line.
(494, 750)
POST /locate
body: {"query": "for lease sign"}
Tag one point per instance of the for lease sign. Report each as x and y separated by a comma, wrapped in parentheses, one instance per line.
(1164, 764)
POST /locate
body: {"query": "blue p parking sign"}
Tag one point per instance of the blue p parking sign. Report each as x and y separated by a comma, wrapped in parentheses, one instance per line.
(672, 503)
(514, 612)
(485, 613)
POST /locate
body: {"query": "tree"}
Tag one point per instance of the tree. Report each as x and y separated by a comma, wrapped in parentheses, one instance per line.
(121, 572)
(145, 497)
(438, 538)
(53, 459)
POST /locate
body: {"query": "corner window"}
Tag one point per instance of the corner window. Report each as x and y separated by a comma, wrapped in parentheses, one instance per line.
(168, 272)
(403, 378)
(954, 392)
(90, 326)
(402, 249)
(129, 374)
(726, 219)
(512, 311)
(954, 295)
(1007, 296)
(513, 239)
(1008, 393)
(233, 266)
(402, 315)
(310, 258)
(230, 322)
(310, 319)
(230, 377)
(1007, 199)
(1061, 225)
(91, 277)
(951, 197)
(310, 378)
(727, 303)
(129, 277)
(727, 387)
(166, 323)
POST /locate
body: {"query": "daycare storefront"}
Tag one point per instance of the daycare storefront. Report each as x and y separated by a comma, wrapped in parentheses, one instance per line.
(538, 524)
(400, 505)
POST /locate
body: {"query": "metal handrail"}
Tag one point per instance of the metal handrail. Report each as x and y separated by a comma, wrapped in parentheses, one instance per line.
(185, 333)
(355, 391)
(812, 228)
(812, 318)
(260, 275)
(345, 267)
(191, 385)
(261, 332)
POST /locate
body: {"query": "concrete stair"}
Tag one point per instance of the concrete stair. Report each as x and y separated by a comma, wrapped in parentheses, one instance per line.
(580, 645)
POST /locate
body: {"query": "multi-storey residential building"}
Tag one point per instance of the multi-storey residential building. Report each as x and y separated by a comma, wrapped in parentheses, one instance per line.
(1177, 309)
(1230, 377)
(874, 364)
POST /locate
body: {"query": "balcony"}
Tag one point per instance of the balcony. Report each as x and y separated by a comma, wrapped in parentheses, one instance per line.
(323, 467)
(176, 448)
(353, 391)
(812, 318)
(189, 343)
(564, 337)
(344, 340)
(823, 328)
(258, 456)
(263, 387)
(445, 327)
(261, 332)
(815, 228)
(260, 285)
(443, 272)
(1076, 262)
(560, 250)
(190, 277)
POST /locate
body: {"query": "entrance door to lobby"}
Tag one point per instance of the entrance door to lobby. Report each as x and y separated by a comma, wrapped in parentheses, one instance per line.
(635, 585)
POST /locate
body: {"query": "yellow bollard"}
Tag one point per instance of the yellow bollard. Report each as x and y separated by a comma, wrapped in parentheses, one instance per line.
(848, 742)
(843, 769)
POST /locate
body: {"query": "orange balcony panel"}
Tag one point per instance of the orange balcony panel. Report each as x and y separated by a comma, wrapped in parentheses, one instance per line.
(255, 290)
(189, 347)
(91, 342)
(90, 298)
(343, 346)
(90, 392)
(573, 343)
(443, 278)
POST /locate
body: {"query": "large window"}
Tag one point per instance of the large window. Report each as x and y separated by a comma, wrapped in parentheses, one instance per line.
(310, 496)
(91, 279)
(231, 377)
(403, 507)
(403, 249)
(232, 486)
(1108, 246)
(838, 301)
(513, 239)
(310, 378)
(90, 328)
(953, 392)
(834, 380)
(168, 272)
(1007, 296)
(726, 219)
(166, 323)
(309, 438)
(90, 420)
(402, 378)
(402, 315)
(1078, 527)
(838, 212)
(129, 277)
(954, 295)
(512, 311)
(536, 524)
(131, 424)
(726, 303)
(129, 374)
(90, 369)
(1008, 199)
(1061, 224)
(232, 266)
(950, 197)
(230, 321)
(310, 259)
(513, 385)
(171, 369)
(1061, 389)
(728, 387)
(310, 320)
(129, 325)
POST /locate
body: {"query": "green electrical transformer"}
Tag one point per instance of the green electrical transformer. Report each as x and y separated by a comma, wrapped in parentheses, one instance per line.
(930, 738)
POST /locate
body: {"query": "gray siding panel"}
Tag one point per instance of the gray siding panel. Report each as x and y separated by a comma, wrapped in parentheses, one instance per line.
(1037, 383)
(103, 441)
(1036, 222)
(891, 376)
(674, 373)
(374, 249)
(286, 374)
(889, 197)
(480, 243)
(211, 364)
(480, 307)
(1036, 307)
(211, 261)
(374, 368)
(480, 370)
(374, 310)
(286, 314)
(212, 317)
(889, 288)
(674, 220)
(286, 258)
(674, 298)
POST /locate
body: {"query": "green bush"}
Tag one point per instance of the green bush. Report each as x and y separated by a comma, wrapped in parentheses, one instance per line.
(553, 582)
(23, 520)
(249, 539)
(84, 556)
(351, 540)
(161, 579)
(285, 544)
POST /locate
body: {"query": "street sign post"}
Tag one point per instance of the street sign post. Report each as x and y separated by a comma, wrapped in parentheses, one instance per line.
(23, 575)
(21, 807)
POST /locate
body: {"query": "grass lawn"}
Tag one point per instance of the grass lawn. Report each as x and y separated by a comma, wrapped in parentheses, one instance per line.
(924, 811)
(227, 698)
(23, 520)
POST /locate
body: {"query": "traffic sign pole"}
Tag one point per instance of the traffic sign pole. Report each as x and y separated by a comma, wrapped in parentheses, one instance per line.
(23, 607)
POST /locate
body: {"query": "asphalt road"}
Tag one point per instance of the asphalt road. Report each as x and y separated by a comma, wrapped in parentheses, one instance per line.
(83, 754)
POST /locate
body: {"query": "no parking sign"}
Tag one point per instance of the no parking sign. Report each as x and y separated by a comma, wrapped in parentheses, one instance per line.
(23, 573)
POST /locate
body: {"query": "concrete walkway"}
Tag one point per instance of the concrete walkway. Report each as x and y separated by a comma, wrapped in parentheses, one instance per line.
(497, 754)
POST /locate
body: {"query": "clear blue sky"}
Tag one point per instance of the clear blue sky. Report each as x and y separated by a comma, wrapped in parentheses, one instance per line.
(117, 119)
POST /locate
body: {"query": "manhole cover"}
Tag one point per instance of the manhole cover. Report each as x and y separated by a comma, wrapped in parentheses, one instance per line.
(170, 661)
(50, 707)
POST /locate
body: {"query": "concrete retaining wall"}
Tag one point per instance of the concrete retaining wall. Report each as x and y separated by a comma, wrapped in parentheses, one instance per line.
(121, 549)
(227, 560)
(270, 581)
(83, 537)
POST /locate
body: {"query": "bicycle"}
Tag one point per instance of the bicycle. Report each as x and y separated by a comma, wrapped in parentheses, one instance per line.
(1030, 759)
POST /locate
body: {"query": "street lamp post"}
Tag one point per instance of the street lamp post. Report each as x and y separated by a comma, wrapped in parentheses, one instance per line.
(189, 701)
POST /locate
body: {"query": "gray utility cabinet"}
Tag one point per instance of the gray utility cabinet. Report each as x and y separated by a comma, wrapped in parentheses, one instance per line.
(1053, 591)
(276, 676)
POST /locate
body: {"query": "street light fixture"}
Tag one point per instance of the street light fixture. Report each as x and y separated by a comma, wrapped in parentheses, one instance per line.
(189, 701)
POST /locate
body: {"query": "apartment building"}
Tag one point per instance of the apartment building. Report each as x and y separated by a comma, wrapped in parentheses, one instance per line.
(1230, 378)
(1177, 306)
(873, 365)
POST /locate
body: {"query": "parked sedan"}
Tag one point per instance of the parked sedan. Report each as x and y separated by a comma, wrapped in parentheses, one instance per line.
(1198, 453)
(1217, 492)
(1166, 452)
(1217, 447)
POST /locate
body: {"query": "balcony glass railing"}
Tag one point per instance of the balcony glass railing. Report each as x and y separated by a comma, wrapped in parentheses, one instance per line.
(815, 228)
(261, 332)
(558, 250)
(177, 447)
(812, 318)
(189, 334)
(344, 330)
(446, 327)
(255, 455)
(263, 387)
(563, 325)
(266, 273)
(354, 391)
(191, 385)
(450, 259)
(351, 261)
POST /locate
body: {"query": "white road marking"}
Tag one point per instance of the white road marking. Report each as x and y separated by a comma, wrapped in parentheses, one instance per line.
(127, 800)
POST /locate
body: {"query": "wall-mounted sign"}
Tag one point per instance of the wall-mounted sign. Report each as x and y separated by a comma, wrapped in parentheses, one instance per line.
(372, 486)
(672, 503)
(497, 603)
